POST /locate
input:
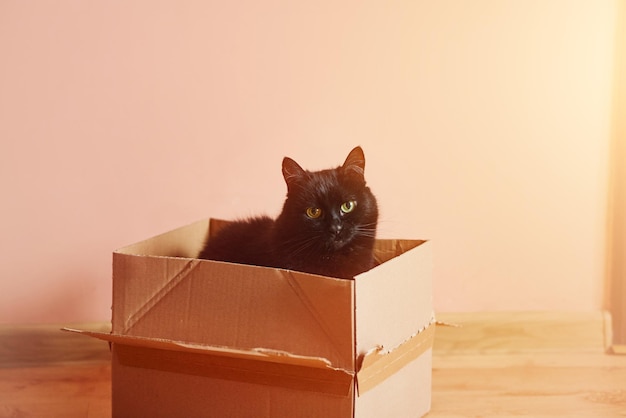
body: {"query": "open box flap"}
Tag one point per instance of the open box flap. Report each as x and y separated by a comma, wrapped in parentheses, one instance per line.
(185, 241)
(387, 249)
(263, 366)
(259, 365)
(260, 354)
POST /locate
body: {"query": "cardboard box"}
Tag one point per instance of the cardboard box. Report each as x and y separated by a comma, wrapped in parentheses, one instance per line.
(199, 338)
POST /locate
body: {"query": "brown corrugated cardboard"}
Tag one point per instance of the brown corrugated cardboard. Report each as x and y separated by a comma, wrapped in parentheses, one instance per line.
(195, 337)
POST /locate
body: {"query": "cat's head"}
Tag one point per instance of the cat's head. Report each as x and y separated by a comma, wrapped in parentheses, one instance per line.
(330, 210)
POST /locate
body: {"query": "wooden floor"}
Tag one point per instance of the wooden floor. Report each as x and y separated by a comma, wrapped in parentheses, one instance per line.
(492, 365)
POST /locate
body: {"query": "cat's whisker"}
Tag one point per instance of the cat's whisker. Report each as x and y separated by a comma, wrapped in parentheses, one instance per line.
(298, 245)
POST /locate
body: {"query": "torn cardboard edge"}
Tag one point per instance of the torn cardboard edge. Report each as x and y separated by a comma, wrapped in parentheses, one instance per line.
(259, 366)
(260, 354)
(263, 366)
(379, 363)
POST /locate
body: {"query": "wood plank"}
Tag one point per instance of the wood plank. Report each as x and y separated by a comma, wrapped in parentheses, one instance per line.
(495, 365)
(79, 390)
(520, 332)
(537, 364)
(33, 345)
(530, 391)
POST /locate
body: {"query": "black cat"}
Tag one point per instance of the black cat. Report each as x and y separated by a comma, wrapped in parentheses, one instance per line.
(327, 225)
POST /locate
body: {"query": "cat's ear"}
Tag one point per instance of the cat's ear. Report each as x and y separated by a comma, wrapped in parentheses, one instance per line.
(355, 163)
(292, 172)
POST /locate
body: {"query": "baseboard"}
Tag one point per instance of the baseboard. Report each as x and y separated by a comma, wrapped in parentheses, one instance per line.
(618, 349)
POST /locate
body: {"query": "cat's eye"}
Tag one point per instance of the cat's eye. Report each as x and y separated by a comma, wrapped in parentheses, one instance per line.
(313, 213)
(347, 207)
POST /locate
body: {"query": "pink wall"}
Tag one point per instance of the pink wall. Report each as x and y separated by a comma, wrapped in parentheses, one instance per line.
(485, 125)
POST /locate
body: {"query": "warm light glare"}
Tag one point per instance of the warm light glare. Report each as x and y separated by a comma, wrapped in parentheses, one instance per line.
(486, 128)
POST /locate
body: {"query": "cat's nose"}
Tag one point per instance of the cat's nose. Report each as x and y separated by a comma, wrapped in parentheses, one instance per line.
(336, 229)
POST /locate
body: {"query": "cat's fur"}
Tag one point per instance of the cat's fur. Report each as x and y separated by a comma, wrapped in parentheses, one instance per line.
(327, 225)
